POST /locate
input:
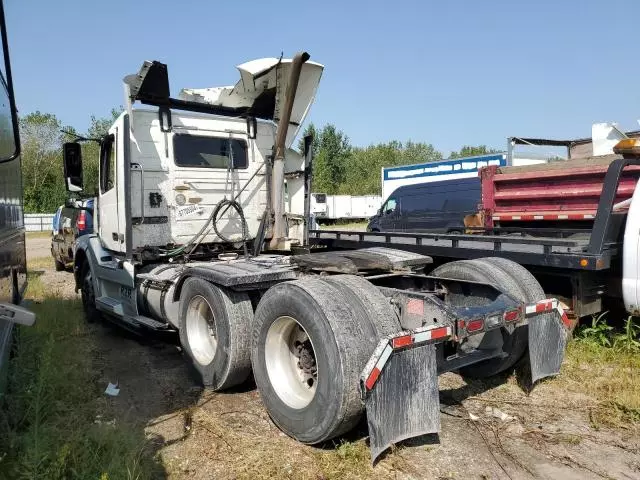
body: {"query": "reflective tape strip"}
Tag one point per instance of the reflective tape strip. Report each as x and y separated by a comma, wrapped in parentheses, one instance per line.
(548, 305)
(377, 369)
(402, 340)
(433, 333)
(578, 216)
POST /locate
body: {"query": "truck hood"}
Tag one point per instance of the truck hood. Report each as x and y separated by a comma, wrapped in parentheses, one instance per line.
(262, 88)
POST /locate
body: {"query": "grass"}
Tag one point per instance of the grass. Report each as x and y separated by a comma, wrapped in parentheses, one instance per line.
(40, 263)
(48, 423)
(605, 364)
(45, 234)
(344, 225)
(49, 428)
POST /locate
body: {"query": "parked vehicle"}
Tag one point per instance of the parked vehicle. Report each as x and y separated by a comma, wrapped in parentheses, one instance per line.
(70, 222)
(352, 207)
(428, 207)
(319, 204)
(440, 171)
(574, 225)
(192, 239)
(13, 267)
(555, 196)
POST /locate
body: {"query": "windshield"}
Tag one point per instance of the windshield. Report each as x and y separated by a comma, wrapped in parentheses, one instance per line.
(209, 152)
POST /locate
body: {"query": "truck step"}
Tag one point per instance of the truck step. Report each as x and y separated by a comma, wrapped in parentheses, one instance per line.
(109, 305)
(148, 322)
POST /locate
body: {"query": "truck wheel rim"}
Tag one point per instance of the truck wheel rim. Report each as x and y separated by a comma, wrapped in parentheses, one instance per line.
(201, 330)
(291, 362)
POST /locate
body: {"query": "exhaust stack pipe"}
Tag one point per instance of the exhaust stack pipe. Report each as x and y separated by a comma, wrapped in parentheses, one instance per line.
(277, 177)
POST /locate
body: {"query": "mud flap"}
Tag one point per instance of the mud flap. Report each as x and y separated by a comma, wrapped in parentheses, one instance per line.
(405, 401)
(548, 335)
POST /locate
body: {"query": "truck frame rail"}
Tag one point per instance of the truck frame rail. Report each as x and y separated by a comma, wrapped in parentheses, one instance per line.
(541, 251)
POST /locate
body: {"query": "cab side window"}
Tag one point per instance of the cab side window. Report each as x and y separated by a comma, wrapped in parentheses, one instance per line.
(107, 164)
(390, 206)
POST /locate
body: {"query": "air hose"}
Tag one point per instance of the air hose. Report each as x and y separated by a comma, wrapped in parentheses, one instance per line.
(238, 208)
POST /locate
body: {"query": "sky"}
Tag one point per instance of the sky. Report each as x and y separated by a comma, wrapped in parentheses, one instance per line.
(450, 73)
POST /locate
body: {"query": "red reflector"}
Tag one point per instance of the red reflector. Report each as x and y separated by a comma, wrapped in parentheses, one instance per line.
(511, 316)
(82, 220)
(439, 333)
(475, 325)
(402, 341)
(373, 378)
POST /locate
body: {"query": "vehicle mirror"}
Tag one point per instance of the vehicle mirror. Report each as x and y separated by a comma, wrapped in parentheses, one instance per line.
(72, 158)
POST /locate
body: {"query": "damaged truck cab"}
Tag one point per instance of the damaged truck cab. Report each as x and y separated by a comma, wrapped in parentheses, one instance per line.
(202, 230)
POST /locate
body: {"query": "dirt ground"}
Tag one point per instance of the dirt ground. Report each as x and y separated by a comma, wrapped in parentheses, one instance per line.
(548, 434)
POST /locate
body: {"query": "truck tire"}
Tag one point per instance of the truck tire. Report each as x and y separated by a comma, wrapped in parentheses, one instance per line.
(312, 395)
(214, 332)
(365, 296)
(91, 313)
(521, 275)
(59, 265)
(514, 344)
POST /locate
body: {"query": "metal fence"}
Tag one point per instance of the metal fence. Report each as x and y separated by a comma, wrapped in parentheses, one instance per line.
(38, 222)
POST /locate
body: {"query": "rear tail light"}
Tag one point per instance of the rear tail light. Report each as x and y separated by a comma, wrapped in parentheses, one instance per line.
(82, 220)
(512, 315)
(475, 325)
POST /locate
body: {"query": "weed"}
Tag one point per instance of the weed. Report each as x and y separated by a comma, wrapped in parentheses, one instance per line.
(47, 428)
(611, 376)
(599, 333)
(628, 340)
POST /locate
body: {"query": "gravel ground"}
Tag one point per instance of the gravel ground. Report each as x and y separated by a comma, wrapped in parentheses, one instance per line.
(198, 434)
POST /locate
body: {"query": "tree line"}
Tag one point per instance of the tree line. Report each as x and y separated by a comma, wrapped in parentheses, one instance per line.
(339, 167)
(342, 169)
(42, 136)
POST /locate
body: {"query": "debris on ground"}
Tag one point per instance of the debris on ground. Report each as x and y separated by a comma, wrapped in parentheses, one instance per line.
(112, 390)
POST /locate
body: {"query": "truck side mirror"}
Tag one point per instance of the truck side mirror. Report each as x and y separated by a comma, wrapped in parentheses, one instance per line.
(72, 159)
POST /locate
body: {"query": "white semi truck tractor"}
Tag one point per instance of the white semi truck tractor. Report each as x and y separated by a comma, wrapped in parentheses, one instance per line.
(193, 236)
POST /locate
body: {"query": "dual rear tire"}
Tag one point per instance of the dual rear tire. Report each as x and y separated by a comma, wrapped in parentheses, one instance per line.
(307, 344)
(310, 339)
(514, 280)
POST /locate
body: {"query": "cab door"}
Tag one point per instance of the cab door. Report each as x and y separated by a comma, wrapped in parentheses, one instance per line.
(631, 256)
(108, 213)
(389, 215)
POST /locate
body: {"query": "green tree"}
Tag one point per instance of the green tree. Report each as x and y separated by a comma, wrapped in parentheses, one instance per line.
(98, 128)
(364, 166)
(332, 152)
(309, 130)
(469, 151)
(42, 138)
(41, 161)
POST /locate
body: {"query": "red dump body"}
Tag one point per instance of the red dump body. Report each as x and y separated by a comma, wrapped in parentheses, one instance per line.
(563, 191)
